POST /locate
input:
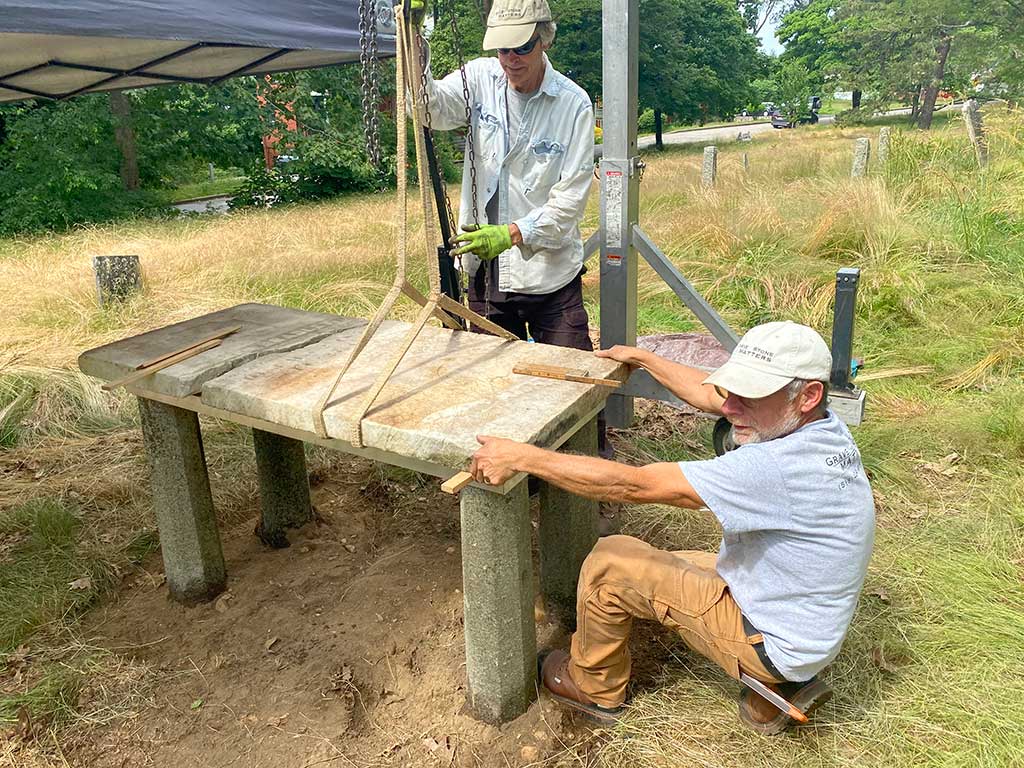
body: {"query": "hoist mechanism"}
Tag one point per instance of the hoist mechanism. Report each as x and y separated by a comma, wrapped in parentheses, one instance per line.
(454, 280)
(408, 72)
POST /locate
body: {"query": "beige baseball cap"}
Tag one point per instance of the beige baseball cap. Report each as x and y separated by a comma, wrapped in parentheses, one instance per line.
(770, 356)
(511, 23)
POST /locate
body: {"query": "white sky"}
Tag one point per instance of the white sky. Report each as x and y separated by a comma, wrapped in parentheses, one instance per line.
(768, 41)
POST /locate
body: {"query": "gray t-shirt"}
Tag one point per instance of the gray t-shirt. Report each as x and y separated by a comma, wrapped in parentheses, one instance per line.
(798, 523)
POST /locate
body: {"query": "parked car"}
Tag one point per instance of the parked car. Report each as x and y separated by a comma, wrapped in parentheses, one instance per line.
(811, 116)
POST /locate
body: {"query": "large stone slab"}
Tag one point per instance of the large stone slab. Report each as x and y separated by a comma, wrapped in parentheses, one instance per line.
(264, 330)
(451, 387)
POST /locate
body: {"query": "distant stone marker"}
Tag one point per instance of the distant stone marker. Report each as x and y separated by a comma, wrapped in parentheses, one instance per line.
(710, 170)
(884, 139)
(861, 155)
(976, 131)
(746, 163)
(117, 278)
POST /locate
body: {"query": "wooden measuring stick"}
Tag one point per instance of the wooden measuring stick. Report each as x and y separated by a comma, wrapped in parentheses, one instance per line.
(563, 374)
(222, 333)
(456, 482)
(167, 362)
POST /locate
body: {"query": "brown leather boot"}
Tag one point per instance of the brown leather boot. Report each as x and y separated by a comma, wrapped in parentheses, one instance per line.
(553, 672)
(761, 715)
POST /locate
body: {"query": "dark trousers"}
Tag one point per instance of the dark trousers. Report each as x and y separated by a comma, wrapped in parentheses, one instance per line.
(557, 318)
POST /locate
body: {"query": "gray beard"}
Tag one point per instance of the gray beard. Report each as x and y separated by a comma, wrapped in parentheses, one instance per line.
(783, 428)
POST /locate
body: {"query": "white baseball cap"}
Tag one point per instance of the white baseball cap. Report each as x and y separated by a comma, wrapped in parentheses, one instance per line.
(770, 356)
(511, 23)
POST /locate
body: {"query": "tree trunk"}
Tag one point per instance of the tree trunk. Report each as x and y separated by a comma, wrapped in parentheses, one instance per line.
(657, 130)
(915, 105)
(931, 93)
(857, 95)
(124, 134)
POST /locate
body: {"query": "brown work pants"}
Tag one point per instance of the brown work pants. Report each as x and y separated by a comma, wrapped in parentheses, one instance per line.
(624, 578)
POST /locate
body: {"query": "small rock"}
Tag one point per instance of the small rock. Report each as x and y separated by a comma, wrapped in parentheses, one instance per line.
(540, 735)
(221, 605)
(530, 754)
(450, 551)
(350, 548)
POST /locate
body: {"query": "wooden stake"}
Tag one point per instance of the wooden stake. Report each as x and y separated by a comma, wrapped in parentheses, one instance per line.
(222, 333)
(456, 482)
(563, 374)
(167, 362)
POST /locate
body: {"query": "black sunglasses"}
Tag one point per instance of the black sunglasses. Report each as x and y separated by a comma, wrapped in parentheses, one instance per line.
(523, 49)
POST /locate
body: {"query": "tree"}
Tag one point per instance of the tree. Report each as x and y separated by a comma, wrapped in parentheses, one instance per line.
(793, 90)
(696, 58)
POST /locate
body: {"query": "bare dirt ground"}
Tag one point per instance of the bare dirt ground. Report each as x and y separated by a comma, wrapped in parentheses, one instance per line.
(344, 649)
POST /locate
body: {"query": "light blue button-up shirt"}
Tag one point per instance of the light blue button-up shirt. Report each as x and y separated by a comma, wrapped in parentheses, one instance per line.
(543, 174)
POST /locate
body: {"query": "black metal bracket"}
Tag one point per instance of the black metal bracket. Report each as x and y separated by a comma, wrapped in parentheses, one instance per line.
(449, 275)
(842, 328)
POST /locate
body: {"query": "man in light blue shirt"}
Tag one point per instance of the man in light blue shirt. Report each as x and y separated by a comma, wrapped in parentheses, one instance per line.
(797, 520)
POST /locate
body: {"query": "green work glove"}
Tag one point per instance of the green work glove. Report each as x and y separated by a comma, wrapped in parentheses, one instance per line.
(417, 10)
(485, 241)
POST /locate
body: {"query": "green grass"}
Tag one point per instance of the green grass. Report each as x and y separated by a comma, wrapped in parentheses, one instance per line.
(932, 671)
(226, 185)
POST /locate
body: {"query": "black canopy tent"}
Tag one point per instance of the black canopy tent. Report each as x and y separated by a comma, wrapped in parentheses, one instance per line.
(60, 49)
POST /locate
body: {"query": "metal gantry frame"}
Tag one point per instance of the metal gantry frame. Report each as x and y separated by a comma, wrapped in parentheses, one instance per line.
(621, 240)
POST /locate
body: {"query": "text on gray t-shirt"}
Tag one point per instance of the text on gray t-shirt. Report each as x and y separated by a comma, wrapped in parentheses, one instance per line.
(798, 523)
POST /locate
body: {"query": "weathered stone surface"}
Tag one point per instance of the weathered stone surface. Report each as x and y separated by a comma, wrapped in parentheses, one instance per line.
(117, 278)
(501, 639)
(884, 142)
(976, 131)
(284, 486)
(451, 387)
(265, 330)
(709, 170)
(193, 560)
(700, 350)
(861, 156)
(568, 531)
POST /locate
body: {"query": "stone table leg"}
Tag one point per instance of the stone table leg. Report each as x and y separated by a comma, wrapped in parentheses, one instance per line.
(568, 531)
(501, 639)
(193, 560)
(284, 486)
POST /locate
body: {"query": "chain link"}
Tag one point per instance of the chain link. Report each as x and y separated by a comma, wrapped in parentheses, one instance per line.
(369, 79)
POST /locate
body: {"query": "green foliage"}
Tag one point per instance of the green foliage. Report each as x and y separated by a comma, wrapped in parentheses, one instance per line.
(792, 90)
(59, 166)
(697, 59)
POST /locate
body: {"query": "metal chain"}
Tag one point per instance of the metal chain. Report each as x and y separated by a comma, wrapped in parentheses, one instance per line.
(369, 80)
(374, 85)
(466, 103)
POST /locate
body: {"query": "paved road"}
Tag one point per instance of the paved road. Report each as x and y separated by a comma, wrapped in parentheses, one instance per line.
(710, 135)
(205, 205)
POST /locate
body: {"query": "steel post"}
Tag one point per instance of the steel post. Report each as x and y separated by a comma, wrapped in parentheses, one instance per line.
(842, 328)
(620, 194)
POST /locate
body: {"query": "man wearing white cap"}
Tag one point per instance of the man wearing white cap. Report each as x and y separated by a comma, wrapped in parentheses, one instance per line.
(533, 131)
(797, 518)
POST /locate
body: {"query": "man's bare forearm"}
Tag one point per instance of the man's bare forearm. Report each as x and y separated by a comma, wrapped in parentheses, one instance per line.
(683, 381)
(608, 480)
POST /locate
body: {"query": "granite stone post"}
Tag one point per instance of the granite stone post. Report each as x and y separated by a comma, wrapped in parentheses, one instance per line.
(746, 162)
(284, 486)
(117, 278)
(709, 171)
(861, 156)
(568, 531)
(884, 140)
(976, 131)
(501, 639)
(193, 560)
